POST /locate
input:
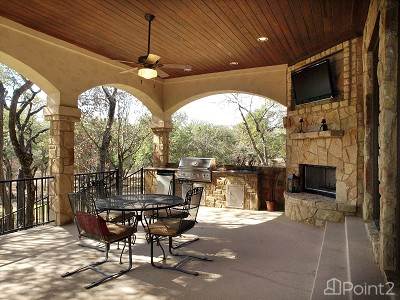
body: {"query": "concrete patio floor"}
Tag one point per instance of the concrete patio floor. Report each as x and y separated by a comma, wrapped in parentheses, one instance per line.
(257, 255)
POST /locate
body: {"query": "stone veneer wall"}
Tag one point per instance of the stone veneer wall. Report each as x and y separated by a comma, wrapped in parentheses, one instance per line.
(344, 112)
(315, 209)
(216, 190)
(383, 19)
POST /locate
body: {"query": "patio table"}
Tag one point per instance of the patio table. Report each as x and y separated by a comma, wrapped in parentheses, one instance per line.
(138, 203)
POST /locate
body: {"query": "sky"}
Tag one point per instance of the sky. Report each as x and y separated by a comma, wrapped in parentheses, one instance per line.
(213, 109)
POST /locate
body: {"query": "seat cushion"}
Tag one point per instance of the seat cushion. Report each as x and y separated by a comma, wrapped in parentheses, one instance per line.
(116, 217)
(173, 213)
(170, 227)
(118, 232)
(96, 228)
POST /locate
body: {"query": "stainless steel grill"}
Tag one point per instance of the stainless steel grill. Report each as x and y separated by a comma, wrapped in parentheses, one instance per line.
(195, 169)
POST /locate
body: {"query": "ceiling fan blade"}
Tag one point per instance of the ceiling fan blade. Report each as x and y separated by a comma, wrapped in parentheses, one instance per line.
(152, 59)
(125, 61)
(177, 66)
(162, 74)
(131, 70)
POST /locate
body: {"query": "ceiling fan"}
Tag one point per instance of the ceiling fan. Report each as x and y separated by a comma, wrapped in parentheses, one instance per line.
(148, 66)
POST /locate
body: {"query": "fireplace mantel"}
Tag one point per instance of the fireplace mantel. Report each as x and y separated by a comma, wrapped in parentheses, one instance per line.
(317, 134)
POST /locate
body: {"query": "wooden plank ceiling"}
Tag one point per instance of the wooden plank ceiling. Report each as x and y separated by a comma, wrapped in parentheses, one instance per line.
(206, 34)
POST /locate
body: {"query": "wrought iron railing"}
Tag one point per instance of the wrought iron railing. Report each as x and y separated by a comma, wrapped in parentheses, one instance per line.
(134, 183)
(24, 203)
(110, 182)
(99, 183)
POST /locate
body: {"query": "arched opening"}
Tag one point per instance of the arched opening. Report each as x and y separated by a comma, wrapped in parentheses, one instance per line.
(21, 68)
(236, 128)
(113, 133)
(24, 156)
(196, 97)
(244, 133)
(147, 101)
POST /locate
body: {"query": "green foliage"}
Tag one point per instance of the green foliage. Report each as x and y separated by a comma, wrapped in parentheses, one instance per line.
(233, 145)
(130, 146)
(265, 125)
(201, 139)
(36, 123)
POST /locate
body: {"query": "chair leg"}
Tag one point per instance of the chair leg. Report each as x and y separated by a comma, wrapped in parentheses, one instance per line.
(89, 266)
(178, 266)
(161, 247)
(170, 248)
(133, 241)
(183, 244)
(98, 248)
(106, 277)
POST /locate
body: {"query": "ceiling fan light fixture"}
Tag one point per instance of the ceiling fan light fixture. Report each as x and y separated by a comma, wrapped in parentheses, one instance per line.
(262, 39)
(147, 73)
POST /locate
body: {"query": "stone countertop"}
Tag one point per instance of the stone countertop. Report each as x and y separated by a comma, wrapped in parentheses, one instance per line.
(238, 172)
(214, 171)
(160, 168)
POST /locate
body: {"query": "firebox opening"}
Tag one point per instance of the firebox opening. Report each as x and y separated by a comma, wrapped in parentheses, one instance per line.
(319, 180)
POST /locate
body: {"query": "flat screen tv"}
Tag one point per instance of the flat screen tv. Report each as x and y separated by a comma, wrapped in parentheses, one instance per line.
(312, 83)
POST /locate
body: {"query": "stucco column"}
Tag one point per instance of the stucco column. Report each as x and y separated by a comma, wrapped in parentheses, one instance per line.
(161, 130)
(61, 160)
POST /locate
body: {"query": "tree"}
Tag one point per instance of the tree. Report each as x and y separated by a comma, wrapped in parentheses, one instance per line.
(130, 138)
(5, 201)
(262, 127)
(105, 99)
(257, 140)
(24, 129)
(118, 136)
(201, 139)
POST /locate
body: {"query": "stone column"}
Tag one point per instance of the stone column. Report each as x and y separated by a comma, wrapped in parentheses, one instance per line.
(368, 90)
(61, 160)
(388, 135)
(161, 130)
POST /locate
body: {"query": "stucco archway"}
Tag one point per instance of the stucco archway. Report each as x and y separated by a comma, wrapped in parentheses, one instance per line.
(20, 67)
(207, 94)
(143, 97)
(268, 82)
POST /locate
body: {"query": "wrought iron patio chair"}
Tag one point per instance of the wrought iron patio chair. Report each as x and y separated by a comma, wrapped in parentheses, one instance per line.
(181, 212)
(152, 215)
(174, 227)
(92, 226)
(113, 216)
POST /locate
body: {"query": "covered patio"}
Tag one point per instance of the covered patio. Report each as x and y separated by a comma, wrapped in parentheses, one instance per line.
(252, 254)
(344, 226)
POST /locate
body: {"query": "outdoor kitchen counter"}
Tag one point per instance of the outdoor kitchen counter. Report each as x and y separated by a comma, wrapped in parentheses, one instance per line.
(239, 172)
(214, 171)
(253, 186)
(160, 168)
(233, 188)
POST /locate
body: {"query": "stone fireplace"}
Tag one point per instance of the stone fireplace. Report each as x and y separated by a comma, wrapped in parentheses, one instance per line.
(329, 163)
(319, 180)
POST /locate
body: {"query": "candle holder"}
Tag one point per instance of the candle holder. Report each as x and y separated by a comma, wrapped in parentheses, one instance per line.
(301, 125)
(324, 126)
